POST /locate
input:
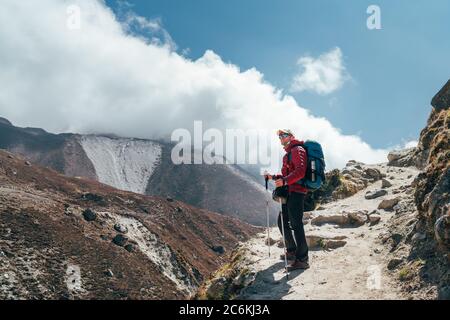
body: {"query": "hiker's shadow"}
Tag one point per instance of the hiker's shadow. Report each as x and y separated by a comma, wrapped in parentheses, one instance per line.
(267, 287)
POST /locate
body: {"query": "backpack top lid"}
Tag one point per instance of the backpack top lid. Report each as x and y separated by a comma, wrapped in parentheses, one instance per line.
(313, 149)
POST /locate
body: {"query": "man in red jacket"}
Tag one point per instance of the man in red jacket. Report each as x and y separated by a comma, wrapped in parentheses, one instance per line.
(294, 169)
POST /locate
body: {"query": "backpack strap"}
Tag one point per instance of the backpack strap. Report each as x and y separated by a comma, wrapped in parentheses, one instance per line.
(295, 145)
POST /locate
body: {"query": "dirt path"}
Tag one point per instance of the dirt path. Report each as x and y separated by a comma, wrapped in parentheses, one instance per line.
(356, 269)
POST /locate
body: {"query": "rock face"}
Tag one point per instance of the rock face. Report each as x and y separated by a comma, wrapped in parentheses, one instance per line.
(432, 194)
(441, 101)
(342, 184)
(405, 158)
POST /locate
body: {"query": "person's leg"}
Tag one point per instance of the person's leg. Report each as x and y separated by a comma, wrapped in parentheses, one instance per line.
(295, 212)
(290, 243)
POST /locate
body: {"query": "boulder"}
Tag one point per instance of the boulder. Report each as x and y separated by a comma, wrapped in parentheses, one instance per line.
(375, 194)
(120, 240)
(374, 219)
(388, 204)
(218, 249)
(89, 215)
(357, 218)
(372, 174)
(385, 184)
(120, 228)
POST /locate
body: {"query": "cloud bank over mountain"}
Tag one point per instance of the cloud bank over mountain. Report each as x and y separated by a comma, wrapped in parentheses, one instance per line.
(101, 77)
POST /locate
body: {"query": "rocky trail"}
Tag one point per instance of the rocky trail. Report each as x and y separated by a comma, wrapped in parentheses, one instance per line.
(350, 249)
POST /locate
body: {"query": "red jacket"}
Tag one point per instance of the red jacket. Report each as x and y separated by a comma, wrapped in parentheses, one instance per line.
(295, 169)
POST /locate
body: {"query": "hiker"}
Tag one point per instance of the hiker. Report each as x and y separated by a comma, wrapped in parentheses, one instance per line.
(293, 170)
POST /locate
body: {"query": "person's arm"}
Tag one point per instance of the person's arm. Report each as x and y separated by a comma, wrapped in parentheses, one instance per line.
(298, 158)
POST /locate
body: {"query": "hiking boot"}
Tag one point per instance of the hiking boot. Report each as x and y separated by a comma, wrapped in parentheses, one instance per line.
(290, 256)
(298, 264)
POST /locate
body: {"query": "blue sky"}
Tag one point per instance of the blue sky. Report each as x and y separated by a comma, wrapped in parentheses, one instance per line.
(394, 71)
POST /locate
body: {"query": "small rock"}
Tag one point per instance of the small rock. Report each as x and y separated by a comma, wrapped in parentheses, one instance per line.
(375, 194)
(270, 242)
(396, 238)
(120, 228)
(179, 209)
(374, 219)
(357, 218)
(27, 163)
(442, 231)
(218, 249)
(373, 174)
(377, 251)
(388, 204)
(418, 236)
(120, 240)
(109, 273)
(129, 247)
(169, 199)
(89, 215)
(93, 197)
(394, 263)
(385, 183)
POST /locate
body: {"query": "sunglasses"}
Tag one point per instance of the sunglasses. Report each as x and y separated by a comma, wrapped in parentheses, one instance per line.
(283, 135)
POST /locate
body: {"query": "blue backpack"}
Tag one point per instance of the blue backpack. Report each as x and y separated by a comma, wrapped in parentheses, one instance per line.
(315, 170)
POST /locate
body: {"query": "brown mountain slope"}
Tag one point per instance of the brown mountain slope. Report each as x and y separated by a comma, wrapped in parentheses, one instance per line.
(61, 152)
(223, 188)
(220, 188)
(49, 249)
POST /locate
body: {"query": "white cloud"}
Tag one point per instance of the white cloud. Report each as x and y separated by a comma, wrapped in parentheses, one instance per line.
(322, 75)
(102, 79)
(410, 144)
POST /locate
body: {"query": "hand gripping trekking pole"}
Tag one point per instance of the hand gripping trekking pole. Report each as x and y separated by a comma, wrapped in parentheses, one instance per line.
(284, 241)
(267, 213)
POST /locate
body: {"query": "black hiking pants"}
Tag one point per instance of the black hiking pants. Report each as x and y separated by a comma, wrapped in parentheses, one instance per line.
(294, 231)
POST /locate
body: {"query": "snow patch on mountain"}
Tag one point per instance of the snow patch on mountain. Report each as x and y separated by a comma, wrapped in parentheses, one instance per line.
(126, 164)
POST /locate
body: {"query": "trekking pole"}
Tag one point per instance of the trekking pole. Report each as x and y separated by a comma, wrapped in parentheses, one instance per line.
(284, 242)
(267, 213)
